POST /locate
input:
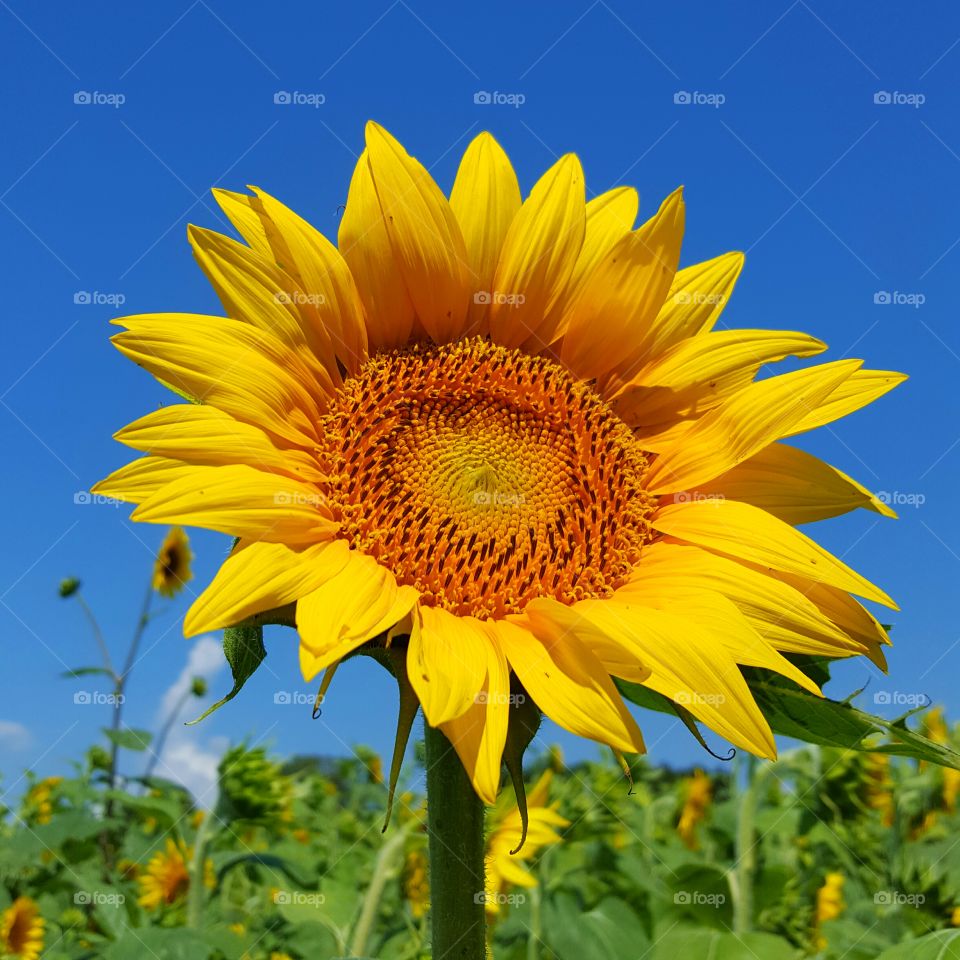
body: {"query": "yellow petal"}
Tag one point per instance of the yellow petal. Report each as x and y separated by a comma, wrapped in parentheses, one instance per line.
(569, 684)
(539, 253)
(697, 297)
(323, 275)
(722, 619)
(485, 199)
(359, 603)
(684, 380)
(263, 576)
(242, 502)
(479, 734)
(609, 217)
(247, 215)
(750, 420)
(688, 665)
(205, 435)
(136, 481)
(232, 366)
(792, 485)
(424, 236)
(781, 614)
(861, 389)
(365, 245)
(260, 293)
(740, 530)
(612, 321)
(446, 662)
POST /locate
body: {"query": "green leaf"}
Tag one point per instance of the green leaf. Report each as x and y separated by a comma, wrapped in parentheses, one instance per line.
(160, 944)
(86, 672)
(793, 712)
(610, 931)
(244, 650)
(129, 739)
(264, 860)
(694, 942)
(942, 945)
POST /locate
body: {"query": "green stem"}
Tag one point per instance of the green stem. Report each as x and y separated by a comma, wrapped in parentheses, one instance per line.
(745, 865)
(384, 870)
(197, 891)
(455, 820)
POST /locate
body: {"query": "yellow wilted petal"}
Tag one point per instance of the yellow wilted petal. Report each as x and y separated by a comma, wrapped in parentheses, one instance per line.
(446, 662)
(260, 293)
(688, 665)
(609, 217)
(360, 602)
(569, 684)
(424, 236)
(205, 435)
(233, 366)
(479, 734)
(539, 253)
(612, 321)
(750, 420)
(685, 378)
(136, 481)
(861, 389)
(485, 199)
(793, 485)
(365, 245)
(263, 576)
(749, 533)
(242, 502)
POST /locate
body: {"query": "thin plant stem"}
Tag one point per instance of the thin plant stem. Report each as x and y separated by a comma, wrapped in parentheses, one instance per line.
(161, 740)
(385, 869)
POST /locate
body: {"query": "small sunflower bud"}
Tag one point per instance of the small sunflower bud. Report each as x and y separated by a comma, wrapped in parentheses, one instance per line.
(68, 587)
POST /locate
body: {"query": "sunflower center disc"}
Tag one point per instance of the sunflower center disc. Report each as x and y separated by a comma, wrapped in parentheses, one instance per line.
(485, 478)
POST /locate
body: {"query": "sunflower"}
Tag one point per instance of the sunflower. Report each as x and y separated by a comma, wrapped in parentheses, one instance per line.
(830, 904)
(698, 792)
(416, 883)
(21, 930)
(171, 570)
(166, 878)
(512, 432)
(505, 855)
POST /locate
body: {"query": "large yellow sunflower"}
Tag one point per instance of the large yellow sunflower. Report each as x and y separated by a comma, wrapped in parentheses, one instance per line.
(511, 430)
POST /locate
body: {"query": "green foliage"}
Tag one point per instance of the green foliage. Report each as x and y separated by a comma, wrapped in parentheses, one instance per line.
(289, 854)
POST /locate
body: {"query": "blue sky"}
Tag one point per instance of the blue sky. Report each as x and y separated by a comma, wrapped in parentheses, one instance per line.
(839, 200)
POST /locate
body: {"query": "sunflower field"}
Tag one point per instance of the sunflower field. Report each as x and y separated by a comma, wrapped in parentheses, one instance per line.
(825, 853)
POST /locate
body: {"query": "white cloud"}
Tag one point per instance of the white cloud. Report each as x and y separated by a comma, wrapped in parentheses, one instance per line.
(14, 736)
(188, 758)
